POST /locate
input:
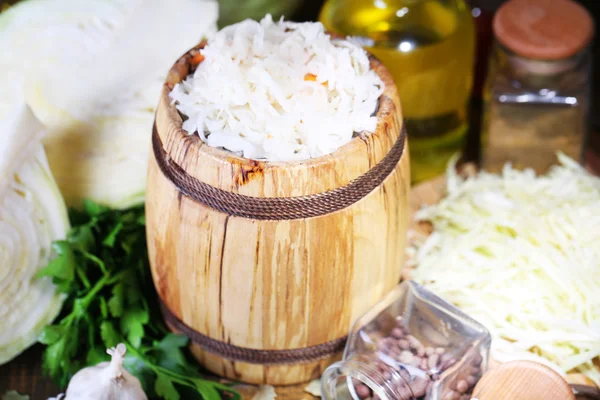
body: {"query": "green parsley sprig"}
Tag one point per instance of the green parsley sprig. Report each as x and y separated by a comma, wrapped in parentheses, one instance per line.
(102, 268)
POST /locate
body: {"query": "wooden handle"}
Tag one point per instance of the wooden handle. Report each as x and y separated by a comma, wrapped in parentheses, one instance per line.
(522, 380)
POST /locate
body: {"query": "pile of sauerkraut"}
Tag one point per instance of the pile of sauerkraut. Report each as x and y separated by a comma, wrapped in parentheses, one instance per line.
(279, 91)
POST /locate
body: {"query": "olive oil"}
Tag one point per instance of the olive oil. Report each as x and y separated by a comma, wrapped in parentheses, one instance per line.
(428, 47)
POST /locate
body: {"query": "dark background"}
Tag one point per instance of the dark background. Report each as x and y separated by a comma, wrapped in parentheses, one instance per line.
(309, 11)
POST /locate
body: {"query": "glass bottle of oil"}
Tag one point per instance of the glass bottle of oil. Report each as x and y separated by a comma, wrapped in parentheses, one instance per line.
(429, 48)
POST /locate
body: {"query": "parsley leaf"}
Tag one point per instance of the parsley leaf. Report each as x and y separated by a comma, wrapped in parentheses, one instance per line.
(164, 387)
(108, 333)
(117, 300)
(62, 268)
(169, 352)
(132, 324)
(103, 269)
(51, 334)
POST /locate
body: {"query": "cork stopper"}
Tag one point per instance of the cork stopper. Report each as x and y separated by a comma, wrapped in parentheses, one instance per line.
(543, 29)
(522, 380)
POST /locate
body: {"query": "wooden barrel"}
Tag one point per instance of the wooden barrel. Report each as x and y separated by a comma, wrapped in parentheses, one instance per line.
(265, 265)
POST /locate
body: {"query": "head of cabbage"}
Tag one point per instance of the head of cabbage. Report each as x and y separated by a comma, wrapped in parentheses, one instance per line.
(80, 80)
(32, 216)
(92, 72)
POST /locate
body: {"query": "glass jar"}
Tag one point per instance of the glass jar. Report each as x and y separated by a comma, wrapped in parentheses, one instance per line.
(412, 345)
(429, 48)
(538, 91)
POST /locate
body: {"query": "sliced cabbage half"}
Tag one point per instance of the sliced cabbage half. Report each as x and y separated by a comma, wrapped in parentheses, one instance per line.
(93, 73)
(32, 216)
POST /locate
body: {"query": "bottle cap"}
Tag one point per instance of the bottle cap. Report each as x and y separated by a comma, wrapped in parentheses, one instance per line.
(543, 29)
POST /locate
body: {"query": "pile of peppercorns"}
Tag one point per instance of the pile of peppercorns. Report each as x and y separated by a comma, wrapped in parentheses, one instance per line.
(419, 368)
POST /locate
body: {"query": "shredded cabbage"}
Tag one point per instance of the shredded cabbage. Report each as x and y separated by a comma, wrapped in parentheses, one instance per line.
(279, 91)
(32, 216)
(93, 71)
(521, 254)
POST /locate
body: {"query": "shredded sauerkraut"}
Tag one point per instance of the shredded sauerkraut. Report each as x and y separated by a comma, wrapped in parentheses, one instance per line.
(279, 91)
(521, 254)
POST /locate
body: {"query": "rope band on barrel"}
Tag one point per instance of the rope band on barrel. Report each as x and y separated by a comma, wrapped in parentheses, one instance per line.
(254, 356)
(277, 208)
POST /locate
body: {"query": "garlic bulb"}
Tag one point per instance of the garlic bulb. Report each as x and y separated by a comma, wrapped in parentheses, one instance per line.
(106, 381)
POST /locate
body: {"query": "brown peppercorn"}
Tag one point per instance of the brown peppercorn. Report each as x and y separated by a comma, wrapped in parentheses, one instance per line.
(419, 386)
(394, 352)
(450, 395)
(445, 357)
(362, 391)
(406, 357)
(448, 364)
(403, 344)
(384, 343)
(462, 386)
(397, 333)
(405, 393)
(413, 342)
(432, 361)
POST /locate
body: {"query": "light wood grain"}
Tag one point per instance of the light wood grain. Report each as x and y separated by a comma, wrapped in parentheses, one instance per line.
(283, 284)
(522, 380)
(235, 174)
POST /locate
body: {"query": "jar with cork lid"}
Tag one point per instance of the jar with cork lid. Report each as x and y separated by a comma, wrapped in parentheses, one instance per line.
(538, 89)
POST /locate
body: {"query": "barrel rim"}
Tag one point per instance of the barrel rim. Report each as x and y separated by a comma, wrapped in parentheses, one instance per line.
(183, 64)
(194, 156)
